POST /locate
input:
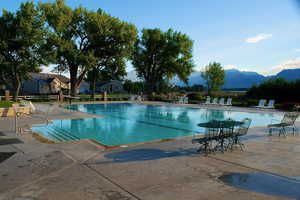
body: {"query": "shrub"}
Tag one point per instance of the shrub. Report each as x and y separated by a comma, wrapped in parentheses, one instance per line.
(5, 104)
(278, 89)
(196, 97)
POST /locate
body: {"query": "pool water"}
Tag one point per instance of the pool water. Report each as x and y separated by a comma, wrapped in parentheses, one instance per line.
(127, 123)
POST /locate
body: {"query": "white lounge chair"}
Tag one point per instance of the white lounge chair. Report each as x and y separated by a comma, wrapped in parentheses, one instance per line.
(131, 98)
(229, 102)
(139, 98)
(181, 100)
(222, 101)
(215, 101)
(271, 104)
(261, 104)
(185, 100)
(208, 99)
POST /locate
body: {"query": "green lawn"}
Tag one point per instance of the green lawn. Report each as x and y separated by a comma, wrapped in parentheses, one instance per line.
(5, 104)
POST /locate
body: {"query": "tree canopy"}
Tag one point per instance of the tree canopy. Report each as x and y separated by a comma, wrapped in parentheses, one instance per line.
(111, 71)
(278, 89)
(83, 39)
(159, 56)
(22, 38)
(133, 87)
(214, 76)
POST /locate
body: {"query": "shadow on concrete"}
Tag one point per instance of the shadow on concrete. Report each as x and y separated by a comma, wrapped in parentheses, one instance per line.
(144, 155)
(5, 155)
(10, 141)
(264, 183)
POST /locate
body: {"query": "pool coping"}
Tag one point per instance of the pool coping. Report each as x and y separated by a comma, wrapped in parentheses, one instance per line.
(106, 147)
(99, 144)
(204, 106)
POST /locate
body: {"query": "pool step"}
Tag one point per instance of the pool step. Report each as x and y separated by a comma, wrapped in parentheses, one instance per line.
(56, 134)
(47, 133)
(65, 134)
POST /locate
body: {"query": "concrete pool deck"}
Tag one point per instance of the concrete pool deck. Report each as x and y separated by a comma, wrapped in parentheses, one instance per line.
(160, 171)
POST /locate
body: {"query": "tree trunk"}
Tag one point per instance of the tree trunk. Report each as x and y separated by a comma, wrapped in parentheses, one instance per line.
(150, 87)
(73, 80)
(16, 87)
(73, 88)
(208, 88)
(93, 88)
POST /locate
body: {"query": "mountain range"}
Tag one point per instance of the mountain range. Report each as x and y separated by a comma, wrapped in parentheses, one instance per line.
(233, 78)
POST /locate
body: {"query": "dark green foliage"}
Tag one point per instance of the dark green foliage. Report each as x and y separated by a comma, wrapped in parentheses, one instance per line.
(214, 76)
(22, 37)
(159, 56)
(81, 40)
(5, 104)
(194, 88)
(106, 73)
(196, 96)
(133, 87)
(278, 89)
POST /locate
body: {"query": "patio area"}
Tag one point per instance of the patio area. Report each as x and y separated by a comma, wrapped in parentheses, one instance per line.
(30, 169)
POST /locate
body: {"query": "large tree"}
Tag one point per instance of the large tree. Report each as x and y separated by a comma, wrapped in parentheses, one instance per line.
(113, 42)
(159, 56)
(133, 87)
(214, 76)
(109, 71)
(83, 39)
(21, 45)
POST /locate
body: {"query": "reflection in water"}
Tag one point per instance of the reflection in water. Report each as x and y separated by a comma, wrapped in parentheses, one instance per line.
(264, 183)
(125, 123)
(183, 117)
(215, 115)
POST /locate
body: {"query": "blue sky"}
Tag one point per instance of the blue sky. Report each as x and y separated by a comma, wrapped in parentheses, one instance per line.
(256, 35)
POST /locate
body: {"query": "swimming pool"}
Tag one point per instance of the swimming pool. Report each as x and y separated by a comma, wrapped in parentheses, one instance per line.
(127, 123)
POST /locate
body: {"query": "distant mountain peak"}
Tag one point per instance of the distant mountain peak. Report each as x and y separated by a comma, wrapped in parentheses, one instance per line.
(234, 78)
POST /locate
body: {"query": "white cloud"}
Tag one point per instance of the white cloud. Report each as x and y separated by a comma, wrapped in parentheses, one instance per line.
(297, 50)
(258, 38)
(290, 64)
(230, 67)
(47, 69)
(242, 69)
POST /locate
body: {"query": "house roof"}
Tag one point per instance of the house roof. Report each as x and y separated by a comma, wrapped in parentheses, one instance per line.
(46, 76)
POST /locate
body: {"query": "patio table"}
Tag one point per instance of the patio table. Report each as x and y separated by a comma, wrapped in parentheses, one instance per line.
(221, 125)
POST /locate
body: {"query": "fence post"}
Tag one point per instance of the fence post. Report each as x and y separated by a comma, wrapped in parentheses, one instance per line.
(104, 96)
(61, 96)
(6, 95)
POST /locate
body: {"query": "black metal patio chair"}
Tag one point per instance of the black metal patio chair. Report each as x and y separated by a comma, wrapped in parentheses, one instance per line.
(288, 120)
(225, 132)
(242, 130)
(206, 141)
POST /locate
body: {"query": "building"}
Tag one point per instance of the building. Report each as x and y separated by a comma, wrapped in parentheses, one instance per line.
(84, 88)
(113, 86)
(42, 83)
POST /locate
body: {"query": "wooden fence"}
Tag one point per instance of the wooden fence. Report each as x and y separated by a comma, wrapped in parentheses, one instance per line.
(36, 98)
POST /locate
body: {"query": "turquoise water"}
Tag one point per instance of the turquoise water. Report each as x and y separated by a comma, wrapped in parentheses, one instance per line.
(126, 123)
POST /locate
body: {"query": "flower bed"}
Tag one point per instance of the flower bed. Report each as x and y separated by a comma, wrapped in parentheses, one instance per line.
(10, 111)
(6, 104)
